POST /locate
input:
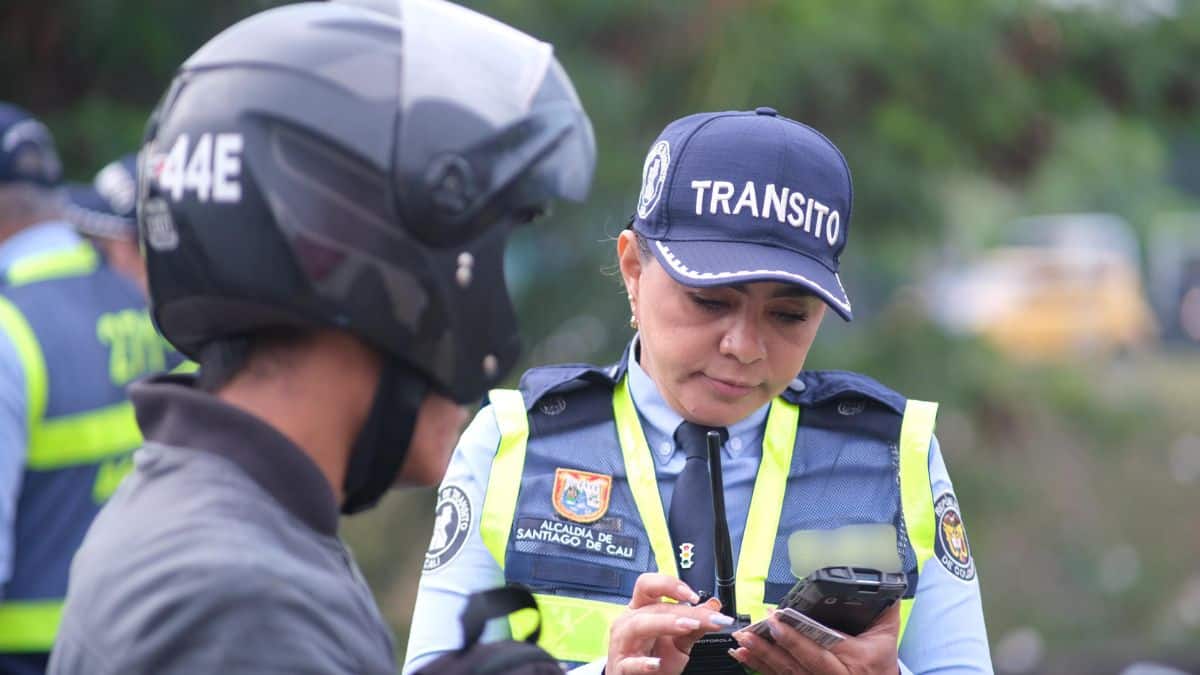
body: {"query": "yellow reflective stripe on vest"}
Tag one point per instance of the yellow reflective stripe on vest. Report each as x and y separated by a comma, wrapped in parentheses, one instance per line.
(500, 501)
(916, 493)
(574, 629)
(29, 626)
(766, 506)
(643, 479)
(72, 262)
(84, 438)
(14, 324)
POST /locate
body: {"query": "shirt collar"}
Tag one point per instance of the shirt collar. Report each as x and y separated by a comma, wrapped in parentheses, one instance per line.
(655, 411)
(36, 239)
(172, 411)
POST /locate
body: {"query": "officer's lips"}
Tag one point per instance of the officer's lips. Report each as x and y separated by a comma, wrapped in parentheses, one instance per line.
(729, 388)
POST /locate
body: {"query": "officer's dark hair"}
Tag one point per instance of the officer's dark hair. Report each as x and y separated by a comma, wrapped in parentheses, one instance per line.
(643, 245)
(266, 350)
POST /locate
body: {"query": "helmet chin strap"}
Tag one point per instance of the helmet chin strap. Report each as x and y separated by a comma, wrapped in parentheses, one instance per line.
(382, 444)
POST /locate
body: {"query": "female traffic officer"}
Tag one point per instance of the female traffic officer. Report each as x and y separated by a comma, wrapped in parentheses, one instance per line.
(584, 483)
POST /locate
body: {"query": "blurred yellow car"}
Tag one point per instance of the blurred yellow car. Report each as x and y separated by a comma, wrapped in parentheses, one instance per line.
(1066, 286)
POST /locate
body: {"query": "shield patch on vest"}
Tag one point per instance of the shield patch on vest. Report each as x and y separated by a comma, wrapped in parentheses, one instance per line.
(581, 496)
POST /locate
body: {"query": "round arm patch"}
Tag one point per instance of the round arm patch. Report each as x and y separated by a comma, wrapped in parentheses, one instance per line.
(451, 525)
(950, 545)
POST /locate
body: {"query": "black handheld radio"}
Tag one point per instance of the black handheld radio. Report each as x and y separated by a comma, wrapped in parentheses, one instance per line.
(846, 598)
(710, 654)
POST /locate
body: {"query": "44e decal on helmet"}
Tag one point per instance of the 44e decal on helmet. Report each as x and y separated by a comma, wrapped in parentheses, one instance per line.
(211, 170)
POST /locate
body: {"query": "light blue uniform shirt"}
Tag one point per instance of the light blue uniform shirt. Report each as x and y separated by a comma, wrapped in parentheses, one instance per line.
(945, 631)
(36, 240)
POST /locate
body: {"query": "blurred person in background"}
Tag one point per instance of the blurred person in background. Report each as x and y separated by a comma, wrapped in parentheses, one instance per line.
(325, 198)
(73, 332)
(103, 210)
(583, 484)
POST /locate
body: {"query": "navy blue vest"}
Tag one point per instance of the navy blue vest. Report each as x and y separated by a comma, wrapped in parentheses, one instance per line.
(92, 335)
(844, 471)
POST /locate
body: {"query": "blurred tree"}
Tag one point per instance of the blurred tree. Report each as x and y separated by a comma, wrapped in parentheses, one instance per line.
(93, 69)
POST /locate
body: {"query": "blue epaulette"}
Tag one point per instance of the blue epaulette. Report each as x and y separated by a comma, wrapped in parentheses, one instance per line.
(817, 387)
(849, 402)
(537, 383)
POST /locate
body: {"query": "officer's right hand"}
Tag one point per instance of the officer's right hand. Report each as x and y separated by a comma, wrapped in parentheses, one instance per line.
(656, 636)
(872, 652)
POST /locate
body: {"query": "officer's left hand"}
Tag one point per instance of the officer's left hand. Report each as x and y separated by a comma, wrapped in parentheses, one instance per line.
(656, 636)
(873, 651)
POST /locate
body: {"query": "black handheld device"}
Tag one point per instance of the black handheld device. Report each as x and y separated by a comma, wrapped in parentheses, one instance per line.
(710, 654)
(845, 598)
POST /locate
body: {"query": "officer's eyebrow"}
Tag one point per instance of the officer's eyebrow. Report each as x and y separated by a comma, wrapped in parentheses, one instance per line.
(783, 291)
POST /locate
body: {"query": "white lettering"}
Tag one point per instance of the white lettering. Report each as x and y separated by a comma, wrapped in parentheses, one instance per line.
(622, 551)
(170, 177)
(525, 534)
(748, 198)
(834, 228)
(774, 202)
(796, 206)
(567, 528)
(700, 186)
(772, 197)
(721, 192)
(227, 168)
(207, 171)
(198, 175)
(821, 211)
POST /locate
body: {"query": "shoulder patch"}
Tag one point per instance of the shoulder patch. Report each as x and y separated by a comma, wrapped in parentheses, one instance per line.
(950, 545)
(451, 525)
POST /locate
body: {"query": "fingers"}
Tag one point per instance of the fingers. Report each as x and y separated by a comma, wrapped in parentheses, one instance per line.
(710, 620)
(763, 657)
(888, 622)
(652, 587)
(657, 632)
(671, 621)
(645, 625)
(635, 664)
(800, 648)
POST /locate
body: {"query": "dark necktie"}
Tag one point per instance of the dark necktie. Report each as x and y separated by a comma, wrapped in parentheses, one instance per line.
(691, 517)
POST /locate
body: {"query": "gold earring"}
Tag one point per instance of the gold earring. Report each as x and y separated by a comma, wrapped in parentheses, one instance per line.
(633, 322)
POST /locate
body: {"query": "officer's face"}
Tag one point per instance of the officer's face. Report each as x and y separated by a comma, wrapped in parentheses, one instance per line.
(718, 354)
(439, 423)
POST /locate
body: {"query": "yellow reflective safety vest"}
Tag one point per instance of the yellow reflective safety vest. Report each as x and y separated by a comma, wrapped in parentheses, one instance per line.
(573, 512)
(82, 333)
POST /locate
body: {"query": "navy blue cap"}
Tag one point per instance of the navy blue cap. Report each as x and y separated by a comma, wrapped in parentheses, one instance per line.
(736, 197)
(27, 153)
(106, 207)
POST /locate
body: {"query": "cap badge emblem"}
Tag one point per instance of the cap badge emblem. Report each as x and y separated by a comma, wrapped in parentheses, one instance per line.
(654, 176)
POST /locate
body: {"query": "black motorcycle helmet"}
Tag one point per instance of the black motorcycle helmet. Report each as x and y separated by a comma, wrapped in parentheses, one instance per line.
(359, 165)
